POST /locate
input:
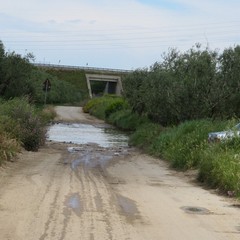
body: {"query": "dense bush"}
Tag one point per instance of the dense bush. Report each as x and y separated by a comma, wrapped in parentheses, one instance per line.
(18, 77)
(145, 135)
(20, 119)
(195, 84)
(127, 120)
(117, 105)
(103, 107)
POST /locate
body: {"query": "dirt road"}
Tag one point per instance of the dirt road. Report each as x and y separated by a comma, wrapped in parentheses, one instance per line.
(66, 192)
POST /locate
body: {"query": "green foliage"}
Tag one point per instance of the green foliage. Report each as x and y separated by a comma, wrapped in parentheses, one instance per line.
(127, 120)
(8, 147)
(196, 84)
(103, 107)
(74, 78)
(145, 135)
(134, 90)
(47, 114)
(220, 168)
(183, 145)
(117, 105)
(18, 77)
(230, 81)
(23, 124)
(15, 75)
(61, 91)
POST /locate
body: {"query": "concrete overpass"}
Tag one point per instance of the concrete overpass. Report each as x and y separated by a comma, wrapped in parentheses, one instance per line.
(112, 77)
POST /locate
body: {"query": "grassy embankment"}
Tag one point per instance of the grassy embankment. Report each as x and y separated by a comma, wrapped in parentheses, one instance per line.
(76, 78)
(185, 146)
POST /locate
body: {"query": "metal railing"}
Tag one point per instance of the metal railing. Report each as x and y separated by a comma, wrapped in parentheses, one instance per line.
(90, 69)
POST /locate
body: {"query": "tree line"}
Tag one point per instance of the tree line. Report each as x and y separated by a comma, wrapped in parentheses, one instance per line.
(19, 77)
(195, 84)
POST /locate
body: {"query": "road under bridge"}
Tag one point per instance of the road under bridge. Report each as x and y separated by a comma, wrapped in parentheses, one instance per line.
(112, 77)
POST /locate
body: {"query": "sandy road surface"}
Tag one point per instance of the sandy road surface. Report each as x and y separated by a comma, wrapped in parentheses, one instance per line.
(87, 192)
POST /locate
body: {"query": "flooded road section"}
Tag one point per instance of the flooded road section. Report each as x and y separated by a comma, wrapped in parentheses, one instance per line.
(90, 149)
(101, 134)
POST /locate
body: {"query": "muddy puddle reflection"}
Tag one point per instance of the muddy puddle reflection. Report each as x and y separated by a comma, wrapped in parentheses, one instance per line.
(102, 135)
(92, 157)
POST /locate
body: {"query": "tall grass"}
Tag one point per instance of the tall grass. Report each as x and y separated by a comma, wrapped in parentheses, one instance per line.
(9, 147)
(183, 145)
(145, 135)
(220, 166)
(22, 122)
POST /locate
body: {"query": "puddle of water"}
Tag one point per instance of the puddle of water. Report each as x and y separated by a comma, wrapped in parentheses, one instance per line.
(73, 201)
(195, 210)
(85, 134)
(128, 206)
(90, 160)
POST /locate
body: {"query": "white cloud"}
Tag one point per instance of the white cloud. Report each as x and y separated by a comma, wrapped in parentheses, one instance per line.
(77, 29)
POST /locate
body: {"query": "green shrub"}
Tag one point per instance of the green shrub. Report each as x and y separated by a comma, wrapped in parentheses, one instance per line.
(96, 107)
(145, 135)
(10, 126)
(103, 107)
(116, 105)
(27, 126)
(8, 147)
(90, 104)
(127, 120)
(47, 114)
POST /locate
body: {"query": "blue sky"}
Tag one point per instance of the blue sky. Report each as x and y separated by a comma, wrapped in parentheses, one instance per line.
(126, 34)
(164, 4)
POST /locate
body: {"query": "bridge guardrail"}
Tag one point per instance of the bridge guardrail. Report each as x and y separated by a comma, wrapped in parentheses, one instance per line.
(58, 66)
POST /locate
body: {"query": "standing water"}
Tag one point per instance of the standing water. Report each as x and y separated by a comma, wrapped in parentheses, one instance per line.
(102, 135)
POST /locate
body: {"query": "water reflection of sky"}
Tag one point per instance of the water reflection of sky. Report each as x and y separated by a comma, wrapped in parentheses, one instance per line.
(85, 133)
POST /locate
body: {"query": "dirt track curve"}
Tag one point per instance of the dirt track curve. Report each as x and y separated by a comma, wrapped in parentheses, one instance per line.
(66, 192)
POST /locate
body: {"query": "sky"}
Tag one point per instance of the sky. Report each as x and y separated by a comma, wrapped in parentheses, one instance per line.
(118, 34)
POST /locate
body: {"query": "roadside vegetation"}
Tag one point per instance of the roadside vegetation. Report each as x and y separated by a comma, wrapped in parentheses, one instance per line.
(173, 105)
(22, 124)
